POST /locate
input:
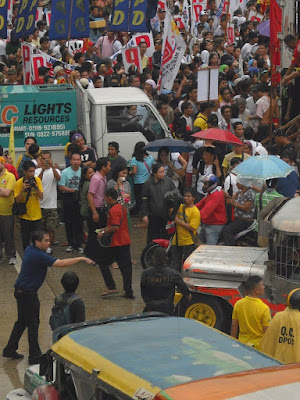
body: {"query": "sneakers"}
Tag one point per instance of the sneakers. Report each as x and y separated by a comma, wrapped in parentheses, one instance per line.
(80, 250)
(14, 355)
(12, 261)
(69, 249)
(49, 250)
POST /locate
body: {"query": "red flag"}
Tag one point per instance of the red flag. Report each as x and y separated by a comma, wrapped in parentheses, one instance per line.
(275, 28)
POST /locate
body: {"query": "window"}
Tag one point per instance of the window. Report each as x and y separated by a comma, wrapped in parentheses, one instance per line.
(287, 256)
(134, 118)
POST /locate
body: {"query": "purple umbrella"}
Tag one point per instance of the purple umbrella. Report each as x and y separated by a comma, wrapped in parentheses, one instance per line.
(264, 28)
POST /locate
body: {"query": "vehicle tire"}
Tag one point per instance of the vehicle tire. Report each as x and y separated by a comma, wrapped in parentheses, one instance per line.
(147, 254)
(202, 308)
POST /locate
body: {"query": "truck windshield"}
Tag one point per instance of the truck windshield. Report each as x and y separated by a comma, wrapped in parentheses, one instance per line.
(134, 118)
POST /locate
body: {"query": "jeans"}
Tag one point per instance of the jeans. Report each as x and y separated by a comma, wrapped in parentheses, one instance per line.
(28, 317)
(73, 222)
(27, 227)
(7, 225)
(210, 234)
(232, 229)
(120, 254)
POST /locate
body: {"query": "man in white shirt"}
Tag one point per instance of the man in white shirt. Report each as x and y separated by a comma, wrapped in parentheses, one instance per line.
(247, 48)
(251, 106)
(49, 176)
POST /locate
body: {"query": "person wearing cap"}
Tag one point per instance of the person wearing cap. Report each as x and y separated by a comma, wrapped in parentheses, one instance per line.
(116, 161)
(158, 284)
(149, 87)
(203, 19)
(11, 77)
(247, 48)
(87, 154)
(7, 219)
(41, 25)
(282, 338)
(244, 206)
(59, 75)
(251, 317)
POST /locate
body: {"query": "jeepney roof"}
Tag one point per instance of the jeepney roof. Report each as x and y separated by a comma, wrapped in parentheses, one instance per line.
(287, 218)
(158, 353)
(117, 95)
(27, 89)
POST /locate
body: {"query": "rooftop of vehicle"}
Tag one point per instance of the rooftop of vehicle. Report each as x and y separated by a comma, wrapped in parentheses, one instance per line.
(158, 353)
(117, 95)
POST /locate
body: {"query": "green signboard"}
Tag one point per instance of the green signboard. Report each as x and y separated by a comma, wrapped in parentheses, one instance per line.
(47, 112)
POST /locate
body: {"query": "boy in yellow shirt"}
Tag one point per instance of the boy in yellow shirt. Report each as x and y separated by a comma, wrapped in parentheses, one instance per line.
(187, 221)
(251, 317)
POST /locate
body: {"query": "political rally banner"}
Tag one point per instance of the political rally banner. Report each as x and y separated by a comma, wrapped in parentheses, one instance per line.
(255, 16)
(131, 56)
(186, 15)
(198, 6)
(3, 18)
(27, 51)
(39, 14)
(172, 52)
(9, 11)
(220, 9)
(143, 37)
(133, 15)
(48, 17)
(25, 21)
(69, 18)
(230, 33)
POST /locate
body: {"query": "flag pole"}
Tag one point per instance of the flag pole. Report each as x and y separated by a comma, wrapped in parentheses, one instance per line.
(227, 17)
(70, 22)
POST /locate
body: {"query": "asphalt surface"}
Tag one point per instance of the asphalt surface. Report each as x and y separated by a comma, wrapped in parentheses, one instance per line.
(90, 287)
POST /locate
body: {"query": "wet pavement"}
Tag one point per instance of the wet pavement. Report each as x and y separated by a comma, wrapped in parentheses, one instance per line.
(90, 287)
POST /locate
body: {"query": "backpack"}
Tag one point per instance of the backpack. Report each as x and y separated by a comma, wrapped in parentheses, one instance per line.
(60, 314)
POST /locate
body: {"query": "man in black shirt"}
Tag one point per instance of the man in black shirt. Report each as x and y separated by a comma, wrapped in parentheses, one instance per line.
(116, 161)
(158, 284)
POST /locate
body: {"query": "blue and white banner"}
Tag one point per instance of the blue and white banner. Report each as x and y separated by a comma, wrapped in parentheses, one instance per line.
(61, 18)
(220, 9)
(3, 19)
(132, 15)
(25, 22)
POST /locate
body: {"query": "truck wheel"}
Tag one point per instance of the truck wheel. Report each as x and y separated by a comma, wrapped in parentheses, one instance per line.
(204, 309)
(147, 253)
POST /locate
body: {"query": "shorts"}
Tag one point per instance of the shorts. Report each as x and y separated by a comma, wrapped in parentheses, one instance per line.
(50, 220)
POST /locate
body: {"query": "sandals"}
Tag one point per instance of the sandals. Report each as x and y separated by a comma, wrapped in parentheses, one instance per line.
(108, 292)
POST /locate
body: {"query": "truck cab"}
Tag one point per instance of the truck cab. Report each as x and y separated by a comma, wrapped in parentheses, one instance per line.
(124, 115)
(216, 274)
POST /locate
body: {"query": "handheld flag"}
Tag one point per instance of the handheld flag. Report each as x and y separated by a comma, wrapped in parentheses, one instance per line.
(11, 146)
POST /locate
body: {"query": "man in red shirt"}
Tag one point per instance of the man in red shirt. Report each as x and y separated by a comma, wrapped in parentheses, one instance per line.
(212, 210)
(294, 69)
(119, 249)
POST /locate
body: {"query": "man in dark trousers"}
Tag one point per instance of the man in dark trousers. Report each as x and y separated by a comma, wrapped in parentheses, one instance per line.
(119, 249)
(158, 284)
(32, 275)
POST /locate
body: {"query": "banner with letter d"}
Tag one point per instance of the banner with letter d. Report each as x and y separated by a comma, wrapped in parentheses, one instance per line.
(3, 19)
(25, 22)
(132, 15)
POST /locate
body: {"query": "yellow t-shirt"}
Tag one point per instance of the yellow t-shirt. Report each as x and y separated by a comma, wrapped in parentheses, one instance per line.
(252, 314)
(144, 62)
(7, 181)
(201, 122)
(33, 204)
(282, 338)
(192, 217)
(228, 157)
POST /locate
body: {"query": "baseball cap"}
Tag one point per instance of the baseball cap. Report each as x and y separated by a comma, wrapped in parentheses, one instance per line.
(57, 69)
(161, 10)
(43, 70)
(203, 13)
(152, 83)
(11, 71)
(84, 83)
(255, 88)
(237, 81)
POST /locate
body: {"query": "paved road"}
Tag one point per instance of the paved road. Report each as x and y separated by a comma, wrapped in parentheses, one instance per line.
(91, 285)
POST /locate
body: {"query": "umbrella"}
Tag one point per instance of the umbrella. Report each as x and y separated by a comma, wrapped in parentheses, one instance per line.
(174, 145)
(264, 28)
(264, 167)
(218, 135)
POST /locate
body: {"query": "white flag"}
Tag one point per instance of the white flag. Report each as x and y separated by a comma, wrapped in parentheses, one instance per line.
(172, 52)
(186, 15)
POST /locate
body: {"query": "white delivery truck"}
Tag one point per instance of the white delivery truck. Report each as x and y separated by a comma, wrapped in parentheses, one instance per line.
(124, 115)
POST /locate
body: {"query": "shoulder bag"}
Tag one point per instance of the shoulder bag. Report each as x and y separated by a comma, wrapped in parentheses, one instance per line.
(20, 208)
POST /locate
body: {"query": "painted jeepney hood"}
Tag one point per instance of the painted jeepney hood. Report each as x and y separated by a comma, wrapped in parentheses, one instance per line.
(145, 358)
(226, 263)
